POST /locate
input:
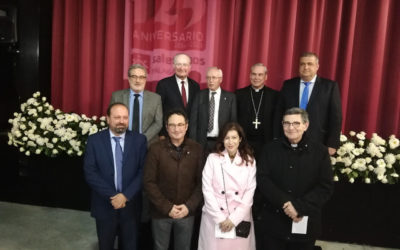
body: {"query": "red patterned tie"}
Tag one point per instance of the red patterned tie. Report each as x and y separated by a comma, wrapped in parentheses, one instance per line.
(183, 91)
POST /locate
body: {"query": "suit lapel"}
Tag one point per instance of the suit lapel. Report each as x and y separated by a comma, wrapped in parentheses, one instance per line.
(145, 110)
(108, 147)
(316, 89)
(127, 147)
(175, 89)
(222, 106)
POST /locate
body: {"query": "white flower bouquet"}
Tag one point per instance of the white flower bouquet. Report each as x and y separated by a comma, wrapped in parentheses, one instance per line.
(41, 129)
(365, 160)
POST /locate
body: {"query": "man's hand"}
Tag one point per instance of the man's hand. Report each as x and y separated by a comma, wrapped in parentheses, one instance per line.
(226, 225)
(331, 151)
(178, 211)
(118, 201)
(290, 211)
(182, 211)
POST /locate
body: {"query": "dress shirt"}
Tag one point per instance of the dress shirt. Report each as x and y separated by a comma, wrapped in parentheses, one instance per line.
(122, 142)
(310, 87)
(186, 84)
(215, 131)
(131, 100)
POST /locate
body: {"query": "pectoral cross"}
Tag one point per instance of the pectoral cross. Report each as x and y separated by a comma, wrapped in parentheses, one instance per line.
(256, 123)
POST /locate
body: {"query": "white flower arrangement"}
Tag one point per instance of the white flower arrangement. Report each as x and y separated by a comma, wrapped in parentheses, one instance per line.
(365, 160)
(41, 129)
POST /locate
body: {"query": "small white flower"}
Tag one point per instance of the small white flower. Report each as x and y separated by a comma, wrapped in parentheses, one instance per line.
(79, 153)
(343, 138)
(333, 160)
(335, 178)
(361, 143)
(384, 179)
(395, 175)
(352, 133)
(38, 151)
(398, 157)
(54, 151)
(370, 168)
(360, 136)
(390, 158)
(351, 180)
(393, 143)
(381, 163)
(341, 151)
(27, 153)
(44, 98)
(54, 140)
(367, 180)
(368, 160)
(21, 149)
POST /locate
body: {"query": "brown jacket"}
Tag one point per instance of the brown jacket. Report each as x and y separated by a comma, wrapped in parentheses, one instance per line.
(169, 179)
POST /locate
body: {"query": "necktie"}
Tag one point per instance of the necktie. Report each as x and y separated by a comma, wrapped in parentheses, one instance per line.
(135, 119)
(183, 91)
(118, 162)
(211, 112)
(304, 96)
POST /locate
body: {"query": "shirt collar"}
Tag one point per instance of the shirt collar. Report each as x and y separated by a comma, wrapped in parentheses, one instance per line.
(218, 91)
(179, 80)
(121, 135)
(132, 93)
(312, 80)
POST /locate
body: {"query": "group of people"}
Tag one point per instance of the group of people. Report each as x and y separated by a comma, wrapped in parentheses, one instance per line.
(255, 162)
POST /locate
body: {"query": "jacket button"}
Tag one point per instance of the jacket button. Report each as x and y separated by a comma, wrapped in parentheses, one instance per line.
(222, 192)
(236, 192)
(290, 166)
(289, 191)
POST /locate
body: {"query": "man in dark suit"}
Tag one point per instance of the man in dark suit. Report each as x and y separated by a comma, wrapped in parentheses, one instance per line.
(212, 108)
(256, 105)
(178, 91)
(319, 96)
(113, 167)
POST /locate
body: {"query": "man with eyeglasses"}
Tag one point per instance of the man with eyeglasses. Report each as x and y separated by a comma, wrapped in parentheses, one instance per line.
(320, 97)
(172, 181)
(294, 176)
(178, 90)
(145, 108)
(212, 108)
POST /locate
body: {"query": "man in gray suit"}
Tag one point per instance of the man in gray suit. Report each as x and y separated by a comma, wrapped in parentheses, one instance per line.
(145, 110)
(212, 108)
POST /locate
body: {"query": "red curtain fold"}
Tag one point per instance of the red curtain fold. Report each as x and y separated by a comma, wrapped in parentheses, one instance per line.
(358, 42)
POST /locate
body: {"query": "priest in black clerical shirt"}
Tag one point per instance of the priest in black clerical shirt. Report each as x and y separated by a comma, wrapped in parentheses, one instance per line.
(256, 104)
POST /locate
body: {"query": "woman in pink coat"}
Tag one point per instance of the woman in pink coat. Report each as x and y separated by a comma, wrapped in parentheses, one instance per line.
(229, 181)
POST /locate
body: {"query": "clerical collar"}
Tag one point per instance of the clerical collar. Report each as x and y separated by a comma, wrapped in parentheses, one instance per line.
(257, 90)
(294, 145)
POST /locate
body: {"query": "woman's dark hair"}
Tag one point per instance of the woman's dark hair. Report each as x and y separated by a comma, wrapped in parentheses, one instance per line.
(245, 151)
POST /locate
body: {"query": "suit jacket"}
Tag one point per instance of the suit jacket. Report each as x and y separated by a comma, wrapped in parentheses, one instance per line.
(99, 173)
(245, 107)
(171, 97)
(152, 117)
(324, 109)
(302, 175)
(199, 116)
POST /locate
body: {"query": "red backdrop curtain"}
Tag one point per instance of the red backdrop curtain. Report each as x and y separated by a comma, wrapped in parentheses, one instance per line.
(358, 43)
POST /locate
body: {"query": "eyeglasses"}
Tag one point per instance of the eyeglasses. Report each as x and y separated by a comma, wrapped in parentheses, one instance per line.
(287, 124)
(213, 77)
(174, 126)
(134, 77)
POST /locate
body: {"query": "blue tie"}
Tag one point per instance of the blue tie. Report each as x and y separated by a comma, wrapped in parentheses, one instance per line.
(304, 96)
(118, 162)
